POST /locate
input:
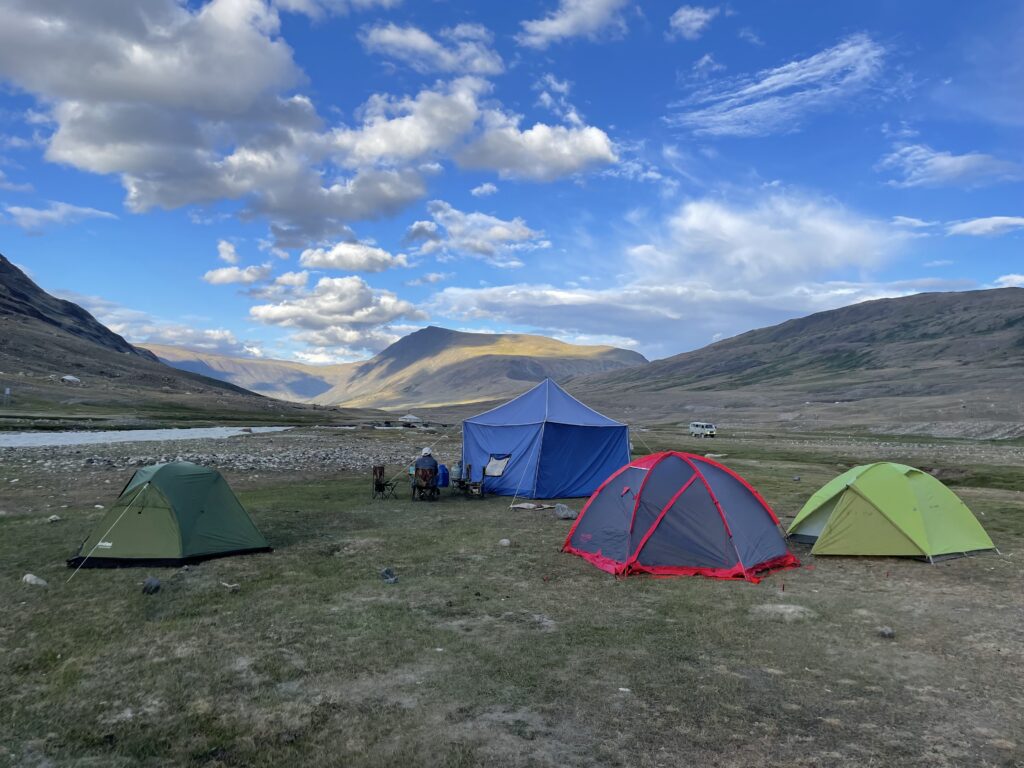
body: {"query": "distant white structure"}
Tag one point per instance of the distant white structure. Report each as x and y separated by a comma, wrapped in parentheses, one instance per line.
(69, 379)
(411, 419)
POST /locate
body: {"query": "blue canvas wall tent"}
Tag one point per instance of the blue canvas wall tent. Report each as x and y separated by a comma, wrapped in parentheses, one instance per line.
(557, 447)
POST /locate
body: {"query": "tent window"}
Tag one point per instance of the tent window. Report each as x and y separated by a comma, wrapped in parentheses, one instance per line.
(496, 465)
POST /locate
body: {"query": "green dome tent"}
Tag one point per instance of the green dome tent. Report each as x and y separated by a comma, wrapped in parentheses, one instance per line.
(171, 514)
(888, 509)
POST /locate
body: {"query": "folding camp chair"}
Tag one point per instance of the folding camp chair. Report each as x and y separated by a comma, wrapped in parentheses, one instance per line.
(382, 489)
(424, 485)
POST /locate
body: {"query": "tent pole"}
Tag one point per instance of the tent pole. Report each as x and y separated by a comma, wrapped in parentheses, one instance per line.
(525, 469)
(101, 538)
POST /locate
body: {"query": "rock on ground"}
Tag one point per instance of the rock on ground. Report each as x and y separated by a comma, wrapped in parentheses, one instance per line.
(35, 581)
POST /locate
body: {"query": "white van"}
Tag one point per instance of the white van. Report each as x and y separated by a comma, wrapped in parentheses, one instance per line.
(702, 429)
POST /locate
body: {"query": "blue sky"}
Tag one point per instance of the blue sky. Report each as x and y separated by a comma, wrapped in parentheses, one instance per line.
(312, 179)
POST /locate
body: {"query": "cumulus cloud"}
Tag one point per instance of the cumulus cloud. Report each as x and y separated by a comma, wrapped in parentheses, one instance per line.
(574, 18)
(226, 252)
(352, 257)
(541, 153)
(463, 49)
(711, 266)
(1010, 281)
(484, 190)
(55, 214)
(237, 275)
(921, 166)
(777, 100)
(292, 279)
(453, 232)
(990, 226)
(407, 129)
(690, 21)
(339, 317)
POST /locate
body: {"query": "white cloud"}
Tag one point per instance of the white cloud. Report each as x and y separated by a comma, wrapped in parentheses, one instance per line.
(407, 129)
(237, 275)
(430, 278)
(143, 328)
(748, 34)
(540, 153)
(711, 267)
(292, 279)
(921, 166)
(574, 18)
(9, 186)
(706, 65)
(1010, 281)
(468, 50)
(554, 95)
(317, 9)
(690, 21)
(191, 105)
(56, 213)
(226, 252)
(352, 257)
(990, 226)
(776, 100)
(340, 316)
(474, 234)
(938, 263)
(485, 189)
(911, 222)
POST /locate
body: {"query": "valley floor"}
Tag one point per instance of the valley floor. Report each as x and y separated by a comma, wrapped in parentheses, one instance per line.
(489, 655)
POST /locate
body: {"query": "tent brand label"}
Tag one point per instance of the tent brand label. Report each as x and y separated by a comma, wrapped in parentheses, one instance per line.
(105, 545)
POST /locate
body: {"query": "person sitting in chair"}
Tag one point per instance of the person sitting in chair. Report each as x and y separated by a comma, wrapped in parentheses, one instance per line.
(427, 461)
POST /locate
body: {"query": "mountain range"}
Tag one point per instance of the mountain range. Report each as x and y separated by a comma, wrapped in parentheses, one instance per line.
(429, 367)
(944, 363)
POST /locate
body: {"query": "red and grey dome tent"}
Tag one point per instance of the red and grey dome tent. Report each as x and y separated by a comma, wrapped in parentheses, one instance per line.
(679, 514)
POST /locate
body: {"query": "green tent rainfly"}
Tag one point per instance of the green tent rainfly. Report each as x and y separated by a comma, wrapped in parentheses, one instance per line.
(888, 509)
(170, 514)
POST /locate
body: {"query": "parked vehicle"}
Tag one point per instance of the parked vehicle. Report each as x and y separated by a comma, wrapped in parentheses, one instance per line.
(702, 429)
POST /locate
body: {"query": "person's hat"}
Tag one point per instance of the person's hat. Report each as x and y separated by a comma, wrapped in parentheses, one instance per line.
(426, 451)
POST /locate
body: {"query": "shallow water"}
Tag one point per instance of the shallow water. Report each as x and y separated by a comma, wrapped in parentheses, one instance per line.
(104, 437)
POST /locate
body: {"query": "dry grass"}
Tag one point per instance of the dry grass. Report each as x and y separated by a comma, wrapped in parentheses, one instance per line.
(519, 656)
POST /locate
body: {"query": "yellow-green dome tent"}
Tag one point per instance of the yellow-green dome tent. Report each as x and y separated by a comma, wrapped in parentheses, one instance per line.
(888, 509)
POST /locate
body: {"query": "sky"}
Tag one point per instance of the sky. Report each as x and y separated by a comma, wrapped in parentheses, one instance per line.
(313, 179)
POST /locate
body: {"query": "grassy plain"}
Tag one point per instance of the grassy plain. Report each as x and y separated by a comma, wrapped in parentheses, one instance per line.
(517, 656)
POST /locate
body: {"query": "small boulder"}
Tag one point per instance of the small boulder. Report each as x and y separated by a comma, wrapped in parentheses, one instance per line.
(53, 519)
(388, 576)
(796, 478)
(151, 585)
(563, 512)
(504, 543)
(35, 581)
(887, 632)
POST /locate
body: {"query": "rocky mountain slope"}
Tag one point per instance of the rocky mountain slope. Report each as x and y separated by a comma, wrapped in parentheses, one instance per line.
(954, 358)
(43, 339)
(432, 366)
